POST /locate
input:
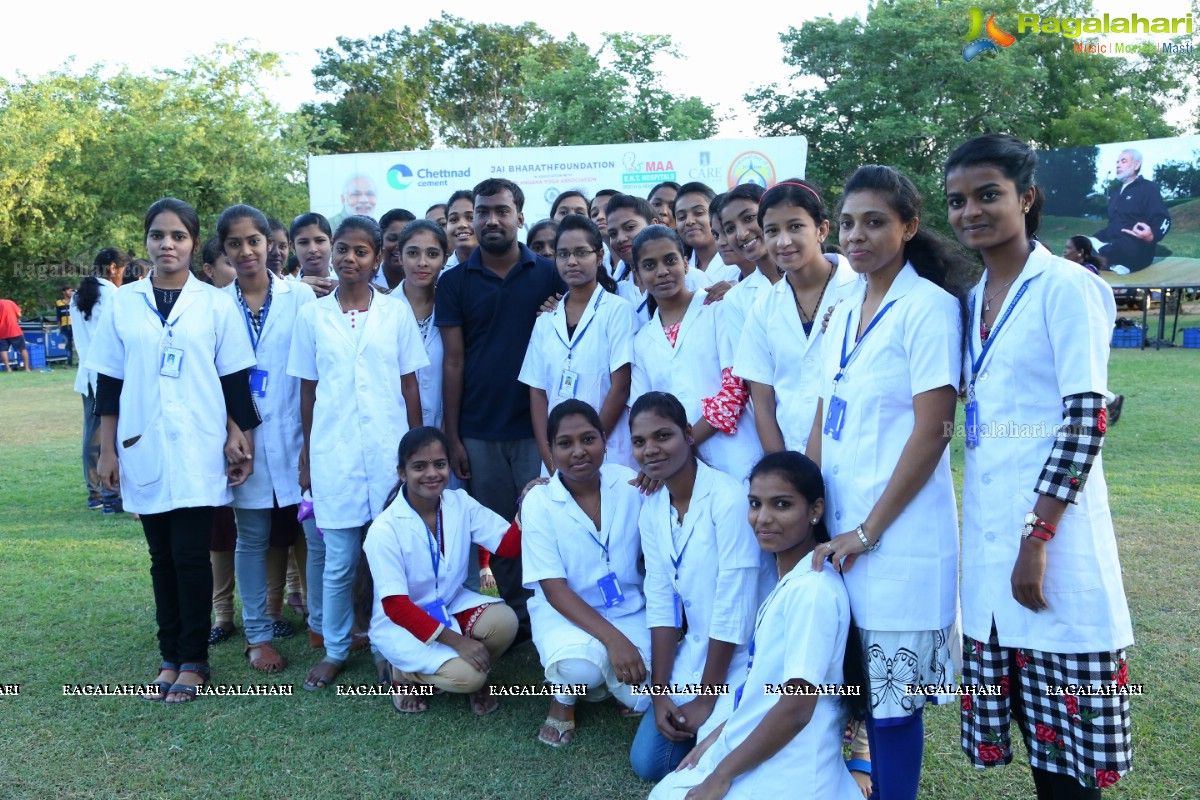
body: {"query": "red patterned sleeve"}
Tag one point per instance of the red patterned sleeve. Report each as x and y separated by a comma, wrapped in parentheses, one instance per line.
(723, 410)
(408, 615)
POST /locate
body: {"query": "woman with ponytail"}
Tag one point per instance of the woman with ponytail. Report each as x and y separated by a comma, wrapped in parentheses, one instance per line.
(1043, 605)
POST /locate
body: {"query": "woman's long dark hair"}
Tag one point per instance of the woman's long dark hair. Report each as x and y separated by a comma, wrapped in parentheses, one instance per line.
(935, 258)
(805, 477)
(88, 292)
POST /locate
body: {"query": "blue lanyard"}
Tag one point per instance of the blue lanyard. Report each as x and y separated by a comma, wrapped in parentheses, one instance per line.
(624, 272)
(579, 334)
(604, 546)
(435, 551)
(168, 325)
(977, 363)
(762, 612)
(846, 359)
(675, 562)
(262, 323)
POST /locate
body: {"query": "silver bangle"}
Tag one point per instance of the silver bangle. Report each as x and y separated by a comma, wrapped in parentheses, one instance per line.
(862, 537)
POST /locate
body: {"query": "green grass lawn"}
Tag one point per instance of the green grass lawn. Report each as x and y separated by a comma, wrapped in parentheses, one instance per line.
(76, 607)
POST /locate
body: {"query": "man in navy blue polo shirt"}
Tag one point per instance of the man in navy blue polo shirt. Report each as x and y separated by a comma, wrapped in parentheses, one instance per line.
(485, 312)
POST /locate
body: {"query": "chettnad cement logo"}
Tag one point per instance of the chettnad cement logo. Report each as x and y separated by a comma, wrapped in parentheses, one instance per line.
(751, 167)
(984, 37)
(399, 177)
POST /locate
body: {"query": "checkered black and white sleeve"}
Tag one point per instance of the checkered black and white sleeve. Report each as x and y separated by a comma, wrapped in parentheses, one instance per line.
(1076, 445)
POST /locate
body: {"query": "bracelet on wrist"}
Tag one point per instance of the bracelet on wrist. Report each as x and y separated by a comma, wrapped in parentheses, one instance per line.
(862, 537)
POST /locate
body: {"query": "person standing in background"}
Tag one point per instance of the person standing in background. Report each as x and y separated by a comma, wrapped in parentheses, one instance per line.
(62, 309)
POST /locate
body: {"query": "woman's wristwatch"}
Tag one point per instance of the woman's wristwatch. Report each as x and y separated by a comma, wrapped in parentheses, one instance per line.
(1038, 528)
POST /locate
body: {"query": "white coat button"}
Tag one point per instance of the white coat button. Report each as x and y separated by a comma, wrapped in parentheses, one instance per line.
(687, 604)
(808, 362)
(838, 515)
(804, 442)
(835, 470)
(696, 639)
(983, 376)
(986, 479)
(989, 537)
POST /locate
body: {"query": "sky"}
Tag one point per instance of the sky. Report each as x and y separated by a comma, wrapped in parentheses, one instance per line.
(727, 49)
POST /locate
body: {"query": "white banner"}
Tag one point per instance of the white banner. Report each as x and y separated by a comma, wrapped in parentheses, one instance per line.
(373, 183)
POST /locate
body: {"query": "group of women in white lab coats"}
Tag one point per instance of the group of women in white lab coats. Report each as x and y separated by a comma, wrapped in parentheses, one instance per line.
(651, 437)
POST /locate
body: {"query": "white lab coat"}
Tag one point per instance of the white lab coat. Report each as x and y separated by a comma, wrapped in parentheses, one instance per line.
(397, 548)
(603, 343)
(429, 378)
(723, 575)
(360, 416)
(911, 582)
(695, 280)
(801, 633)
(736, 306)
(556, 542)
(171, 431)
(775, 351)
(85, 331)
(691, 370)
(1053, 345)
(717, 270)
(277, 442)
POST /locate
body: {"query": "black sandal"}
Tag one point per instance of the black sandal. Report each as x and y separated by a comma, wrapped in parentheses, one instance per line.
(219, 634)
(187, 689)
(164, 687)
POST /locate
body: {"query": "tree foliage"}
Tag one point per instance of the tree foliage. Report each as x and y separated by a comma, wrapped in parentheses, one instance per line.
(893, 88)
(591, 102)
(82, 156)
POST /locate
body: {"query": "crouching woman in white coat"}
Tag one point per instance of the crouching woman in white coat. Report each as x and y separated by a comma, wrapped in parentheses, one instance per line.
(783, 739)
(581, 549)
(173, 396)
(268, 307)
(705, 576)
(433, 630)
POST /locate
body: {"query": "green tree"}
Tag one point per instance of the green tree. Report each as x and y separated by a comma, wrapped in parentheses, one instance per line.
(893, 88)
(81, 157)
(589, 101)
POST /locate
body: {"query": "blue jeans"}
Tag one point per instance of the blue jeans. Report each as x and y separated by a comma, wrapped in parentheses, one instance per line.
(654, 756)
(314, 569)
(250, 565)
(91, 454)
(341, 549)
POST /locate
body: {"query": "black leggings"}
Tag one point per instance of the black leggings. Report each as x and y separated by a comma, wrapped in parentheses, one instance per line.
(181, 574)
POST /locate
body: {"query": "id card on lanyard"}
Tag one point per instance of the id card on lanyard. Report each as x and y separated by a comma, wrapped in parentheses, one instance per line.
(170, 363)
(836, 416)
(972, 407)
(568, 381)
(610, 587)
(258, 377)
(436, 608)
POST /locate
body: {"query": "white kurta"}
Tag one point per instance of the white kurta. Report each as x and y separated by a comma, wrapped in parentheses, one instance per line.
(691, 370)
(429, 378)
(774, 350)
(171, 431)
(603, 343)
(722, 577)
(557, 542)
(801, 633)
(911, 582)
(1054, 344)
(85, 331)
(735, 307)
(360, 416)
(278, 441)
(398, 550)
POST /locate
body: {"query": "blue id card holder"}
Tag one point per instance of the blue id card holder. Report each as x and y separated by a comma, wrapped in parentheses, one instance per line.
(677, 601)
(610, 590)
(172, 362)
(258, 382)
(437, 610)
(836, 417)
(568, 384)
(972, 438)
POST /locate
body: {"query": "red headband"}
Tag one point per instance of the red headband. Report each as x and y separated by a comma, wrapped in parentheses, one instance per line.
(801, 185)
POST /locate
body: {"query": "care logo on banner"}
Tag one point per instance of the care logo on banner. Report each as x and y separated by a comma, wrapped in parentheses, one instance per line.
(399, 177)
(751, 167)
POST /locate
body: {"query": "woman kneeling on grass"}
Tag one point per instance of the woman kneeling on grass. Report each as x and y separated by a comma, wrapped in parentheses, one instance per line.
(428, 626)
(582, 549)
(780, 738)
